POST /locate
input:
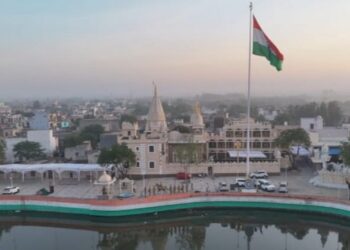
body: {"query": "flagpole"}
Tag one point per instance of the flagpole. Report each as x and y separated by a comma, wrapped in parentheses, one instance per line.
(249, 72)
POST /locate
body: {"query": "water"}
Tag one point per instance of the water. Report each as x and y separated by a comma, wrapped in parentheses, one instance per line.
(224, 229)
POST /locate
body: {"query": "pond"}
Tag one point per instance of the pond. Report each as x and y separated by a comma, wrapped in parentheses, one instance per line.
(206, 229)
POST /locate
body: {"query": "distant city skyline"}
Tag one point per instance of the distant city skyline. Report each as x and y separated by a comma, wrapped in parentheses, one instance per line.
(117, 48)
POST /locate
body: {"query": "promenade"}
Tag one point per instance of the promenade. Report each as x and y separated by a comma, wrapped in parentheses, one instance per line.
(298, 183)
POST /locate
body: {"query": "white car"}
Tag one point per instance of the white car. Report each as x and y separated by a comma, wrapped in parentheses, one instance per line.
(283, 187)
(240, 182)
(267, 186)
(10, 190)
(259, 174)
(223, 187)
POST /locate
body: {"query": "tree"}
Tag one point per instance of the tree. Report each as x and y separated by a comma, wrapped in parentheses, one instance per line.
(345, 153)
(128, 118)
(92, 133)
(292, 137)
(182, 129)
(120, 156)
(72, 140)
(334, 114)
(2, 151)
(28, 150)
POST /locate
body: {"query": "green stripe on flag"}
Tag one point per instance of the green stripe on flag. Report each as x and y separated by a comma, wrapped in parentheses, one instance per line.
(261, 50)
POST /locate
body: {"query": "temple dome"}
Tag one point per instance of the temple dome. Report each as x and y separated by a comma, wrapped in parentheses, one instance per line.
(105, 179)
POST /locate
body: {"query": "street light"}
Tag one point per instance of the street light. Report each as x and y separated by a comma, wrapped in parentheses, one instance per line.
(237, 146)
(11, 180)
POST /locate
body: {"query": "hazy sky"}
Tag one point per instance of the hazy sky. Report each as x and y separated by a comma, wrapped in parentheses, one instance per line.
(116, 48)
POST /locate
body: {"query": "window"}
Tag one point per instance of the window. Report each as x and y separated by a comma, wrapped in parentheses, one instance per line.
(151, 164)
(266, 133)
(137, 148)
(212, 144)
(151, 148)
(229, 144)
(238, 133)
(221, 144)
(229, 133)
(129, 133)
(138, 164)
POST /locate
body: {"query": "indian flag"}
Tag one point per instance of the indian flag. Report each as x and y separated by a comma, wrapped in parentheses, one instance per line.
(263, 46)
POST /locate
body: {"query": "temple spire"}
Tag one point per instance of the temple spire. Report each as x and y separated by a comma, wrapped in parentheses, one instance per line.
(196, 117)
(156, 121)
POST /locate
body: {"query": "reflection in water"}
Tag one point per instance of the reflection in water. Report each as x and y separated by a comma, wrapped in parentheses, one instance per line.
(216, 230)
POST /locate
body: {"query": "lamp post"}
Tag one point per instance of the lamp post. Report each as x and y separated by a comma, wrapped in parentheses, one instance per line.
(11, 180)
(237, 146)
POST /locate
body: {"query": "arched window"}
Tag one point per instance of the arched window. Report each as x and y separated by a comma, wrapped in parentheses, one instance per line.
(229, 133)
(238, 133)
(266, 133)
(256, 133)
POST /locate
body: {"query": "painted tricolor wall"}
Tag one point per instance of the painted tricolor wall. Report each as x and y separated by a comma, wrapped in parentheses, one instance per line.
(160, 203)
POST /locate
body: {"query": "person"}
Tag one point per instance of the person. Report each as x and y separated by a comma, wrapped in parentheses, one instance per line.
(348, 183)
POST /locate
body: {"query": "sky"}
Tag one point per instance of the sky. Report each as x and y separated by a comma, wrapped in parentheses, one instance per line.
(107, 48)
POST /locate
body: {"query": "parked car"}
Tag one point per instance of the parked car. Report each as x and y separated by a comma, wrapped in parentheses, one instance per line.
(267, 186)
(11, 190)
(43, 191)
(260, 182)
(223, 187)
(259, 174)
(183, 176)
(283, 187)
(240, 182)
(249, 187)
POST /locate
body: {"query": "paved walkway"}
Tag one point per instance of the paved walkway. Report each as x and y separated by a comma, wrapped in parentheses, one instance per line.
(298, 183)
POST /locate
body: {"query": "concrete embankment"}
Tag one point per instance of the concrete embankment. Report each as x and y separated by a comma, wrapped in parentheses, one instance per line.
(160, 203)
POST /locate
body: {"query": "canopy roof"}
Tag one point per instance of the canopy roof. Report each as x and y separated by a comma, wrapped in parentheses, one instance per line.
(56, 167)
(244, 154)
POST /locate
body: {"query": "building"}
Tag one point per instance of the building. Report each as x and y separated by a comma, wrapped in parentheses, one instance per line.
(78, 153)
(150, 147)
(324, 140)
(312, 124)
(46, 139)
(107, 140)
(189, 148)
(10, 143)
(40, 120)
(233, 137)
